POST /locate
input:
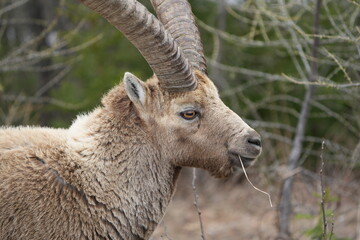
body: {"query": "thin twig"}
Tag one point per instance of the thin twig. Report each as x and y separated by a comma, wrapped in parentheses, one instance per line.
(323, 191)
(165, 233)
(318, 83)
(332, 226)
(43, 100)
(55, 80)
(358, 222)
(12, 6)
(196, 204)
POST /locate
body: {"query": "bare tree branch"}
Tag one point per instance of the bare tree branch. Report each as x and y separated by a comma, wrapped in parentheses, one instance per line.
(196, 204)
(285, 200)
(12, 6)
(323, 192)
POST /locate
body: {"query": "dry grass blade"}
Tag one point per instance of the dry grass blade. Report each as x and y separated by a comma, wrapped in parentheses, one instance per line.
(242, 165)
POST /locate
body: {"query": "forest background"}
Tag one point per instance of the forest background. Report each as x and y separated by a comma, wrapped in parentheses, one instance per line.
(290, 68)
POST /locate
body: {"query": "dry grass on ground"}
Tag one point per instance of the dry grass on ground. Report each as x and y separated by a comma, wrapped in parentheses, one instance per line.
(234, 210)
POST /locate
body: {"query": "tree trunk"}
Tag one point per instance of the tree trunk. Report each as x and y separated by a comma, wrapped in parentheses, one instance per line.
(285, 208)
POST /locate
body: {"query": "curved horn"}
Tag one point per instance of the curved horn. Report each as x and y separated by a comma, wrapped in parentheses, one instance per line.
(149, 36)
(178, 19)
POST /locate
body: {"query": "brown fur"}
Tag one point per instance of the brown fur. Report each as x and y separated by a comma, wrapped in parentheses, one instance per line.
(112, 174)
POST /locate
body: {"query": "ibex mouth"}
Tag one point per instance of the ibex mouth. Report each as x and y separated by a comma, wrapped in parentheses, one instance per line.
(235, 161)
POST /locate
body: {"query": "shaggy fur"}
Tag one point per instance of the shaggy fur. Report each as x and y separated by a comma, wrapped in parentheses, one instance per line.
(112, 174)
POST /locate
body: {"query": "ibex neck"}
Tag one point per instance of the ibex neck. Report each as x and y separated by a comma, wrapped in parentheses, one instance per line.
(123, 172)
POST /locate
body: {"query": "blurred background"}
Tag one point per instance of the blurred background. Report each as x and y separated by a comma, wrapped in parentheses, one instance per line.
(290, 68)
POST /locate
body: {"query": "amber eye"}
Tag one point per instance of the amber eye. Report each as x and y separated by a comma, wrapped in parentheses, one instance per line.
(189, 114)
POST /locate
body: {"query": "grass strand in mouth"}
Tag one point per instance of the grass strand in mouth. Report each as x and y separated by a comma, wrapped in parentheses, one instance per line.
(242, 165)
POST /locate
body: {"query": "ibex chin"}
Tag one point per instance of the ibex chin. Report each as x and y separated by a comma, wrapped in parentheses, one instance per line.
(112, 174)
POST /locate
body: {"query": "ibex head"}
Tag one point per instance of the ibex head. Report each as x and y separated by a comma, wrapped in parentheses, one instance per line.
(179, 106)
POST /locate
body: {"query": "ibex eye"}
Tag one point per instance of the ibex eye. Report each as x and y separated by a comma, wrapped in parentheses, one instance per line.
(189, 114)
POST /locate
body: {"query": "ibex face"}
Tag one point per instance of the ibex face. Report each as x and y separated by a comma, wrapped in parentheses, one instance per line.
(180, 106)
(194, 128)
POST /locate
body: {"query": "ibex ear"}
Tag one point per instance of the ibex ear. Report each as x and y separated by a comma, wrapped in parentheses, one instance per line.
(135, 89)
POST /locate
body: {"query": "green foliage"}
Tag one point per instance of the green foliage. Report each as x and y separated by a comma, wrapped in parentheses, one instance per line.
(317, 231)
(306, 216)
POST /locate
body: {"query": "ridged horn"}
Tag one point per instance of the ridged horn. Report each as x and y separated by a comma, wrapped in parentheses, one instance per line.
(150, 37)
(179, 21)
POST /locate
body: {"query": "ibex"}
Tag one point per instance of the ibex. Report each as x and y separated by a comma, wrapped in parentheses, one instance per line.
(112, 174)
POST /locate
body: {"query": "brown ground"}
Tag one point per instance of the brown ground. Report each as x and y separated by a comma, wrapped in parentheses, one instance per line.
(234, 210)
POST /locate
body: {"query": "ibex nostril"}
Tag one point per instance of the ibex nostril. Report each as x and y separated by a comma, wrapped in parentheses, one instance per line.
(255, 141)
